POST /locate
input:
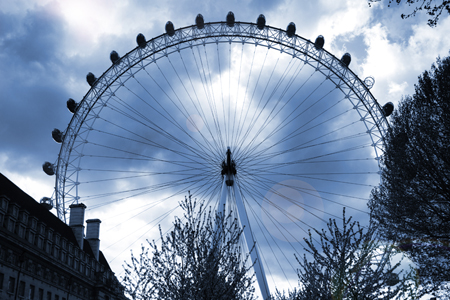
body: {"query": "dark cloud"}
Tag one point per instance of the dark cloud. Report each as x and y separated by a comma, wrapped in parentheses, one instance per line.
(37, 39)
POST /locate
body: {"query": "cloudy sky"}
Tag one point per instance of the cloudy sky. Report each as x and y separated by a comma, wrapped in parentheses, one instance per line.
(48, 47)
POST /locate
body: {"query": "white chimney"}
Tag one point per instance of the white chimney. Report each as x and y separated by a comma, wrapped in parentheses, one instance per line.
(93, 234)
(76, 222)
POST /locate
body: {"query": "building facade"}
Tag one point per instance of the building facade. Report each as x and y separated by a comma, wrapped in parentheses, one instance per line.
(42, 258)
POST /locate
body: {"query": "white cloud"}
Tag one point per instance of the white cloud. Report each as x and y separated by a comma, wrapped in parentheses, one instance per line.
(396, 65)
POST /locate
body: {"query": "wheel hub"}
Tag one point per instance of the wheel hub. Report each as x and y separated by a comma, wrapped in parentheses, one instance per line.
(228, 169)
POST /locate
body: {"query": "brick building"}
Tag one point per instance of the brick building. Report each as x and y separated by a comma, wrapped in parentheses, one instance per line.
(42, 258)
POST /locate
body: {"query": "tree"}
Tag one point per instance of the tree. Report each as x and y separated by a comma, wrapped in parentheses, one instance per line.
(412, 203)
(433, 8)
(199, 259)
(351, 264)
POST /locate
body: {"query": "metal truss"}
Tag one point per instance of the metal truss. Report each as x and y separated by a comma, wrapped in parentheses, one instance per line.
(121, 71)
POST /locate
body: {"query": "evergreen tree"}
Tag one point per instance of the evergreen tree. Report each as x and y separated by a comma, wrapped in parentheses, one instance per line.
(200, 259)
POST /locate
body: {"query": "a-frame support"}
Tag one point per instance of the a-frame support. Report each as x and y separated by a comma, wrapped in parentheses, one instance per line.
(229, 185)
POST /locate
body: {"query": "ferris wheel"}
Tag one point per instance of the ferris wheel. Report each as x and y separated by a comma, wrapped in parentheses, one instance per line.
(240, 114)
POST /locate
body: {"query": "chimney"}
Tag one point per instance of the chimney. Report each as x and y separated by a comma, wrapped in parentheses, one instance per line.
(77, 222)
(92, 235)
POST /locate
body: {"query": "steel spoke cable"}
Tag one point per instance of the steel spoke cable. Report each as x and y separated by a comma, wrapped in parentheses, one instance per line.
(253, 120)
(291, 134)
(208, 91)
(164, 134)
(285, 122)
(260, 226)
(279, 99)
(207, 95)
(221, 95)
(265, 186)
(172, 120)
(269, 118)
(189, 156)
(271, 166)
(199, 107)
(141, 155)
(147, 173)
(138, 239)
(262, 177)
(147, 190)
(277, 85)
(261, 158)
(177, 162)
(291, 217)
(157, 128)
(229, 138)
(158, 145)
(261, 253)
(307, 144)
(232, 141)
(272, 219)
(190, 97)
(239, 128)
(213, 100)
(200, 145)
(263, 183)
(239, 144)
(274, 166)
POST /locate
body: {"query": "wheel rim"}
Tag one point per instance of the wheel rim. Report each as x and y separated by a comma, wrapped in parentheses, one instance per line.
(281, 154)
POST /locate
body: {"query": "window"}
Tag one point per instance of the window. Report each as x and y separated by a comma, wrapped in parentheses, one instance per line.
(1, 281)
(56, 297)
(31, 292)
(49, 295)
(41, 294)
(21, 289)
(11, 285)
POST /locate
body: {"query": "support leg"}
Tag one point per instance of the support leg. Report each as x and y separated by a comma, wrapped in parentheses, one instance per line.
(259, 269)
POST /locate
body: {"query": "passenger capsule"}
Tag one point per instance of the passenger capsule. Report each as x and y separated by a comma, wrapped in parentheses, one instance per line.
(261, 22)
(290, 30)
(388, 108)
(90, 78)
(346, 59)
(57, 135)
(114, 56)
(72, 105)
(48, 168)
(140, 39)
(320, 41)
(199, 21)
(47, 203)
(170, 29)
(230, 19)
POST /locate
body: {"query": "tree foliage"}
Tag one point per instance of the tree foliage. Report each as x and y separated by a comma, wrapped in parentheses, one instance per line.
(351, 264)
(199, 259)
(412, 203)
(433, 8)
